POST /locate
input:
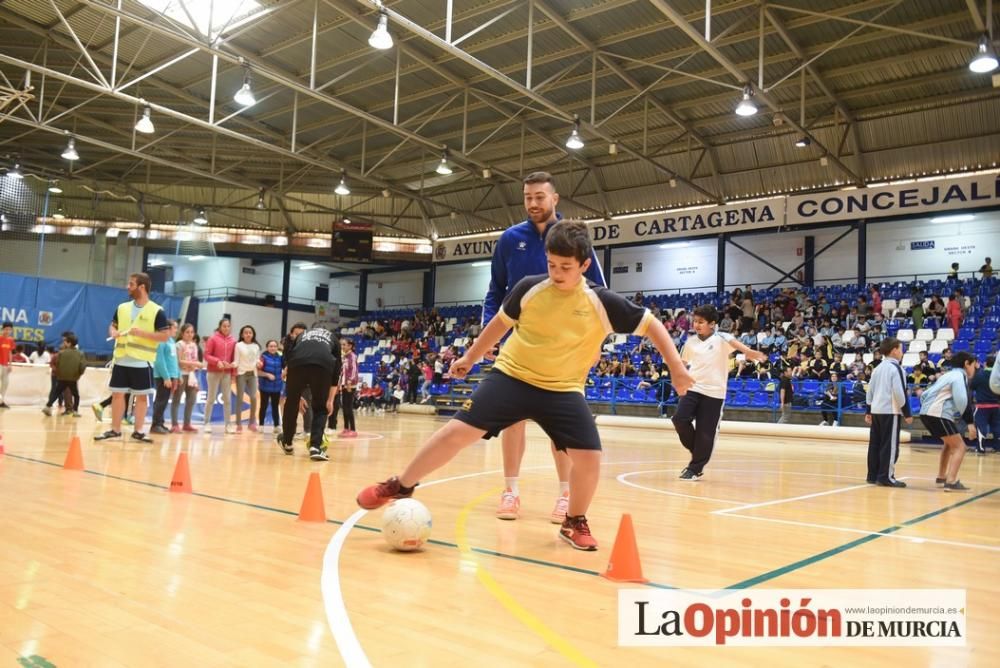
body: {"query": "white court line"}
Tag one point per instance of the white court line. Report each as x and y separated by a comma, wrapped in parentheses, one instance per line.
(896, 535)
(726, 511)
(623, 480)
(333, 598)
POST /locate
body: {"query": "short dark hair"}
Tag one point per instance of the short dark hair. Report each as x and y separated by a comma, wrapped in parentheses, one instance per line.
(70, 338)
(7, 323)
(961, 359)
(143, 280)
(569, 238)
(888, 345)
(991, 360)
(540, 177)
(298, 325)
(954, 265)
(708, 312)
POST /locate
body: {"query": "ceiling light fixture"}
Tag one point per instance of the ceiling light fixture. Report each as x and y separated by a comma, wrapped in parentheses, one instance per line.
(70, 151)
(574, 141)
(260, 200)
(342, 188)
(244, 96)
(201, 218)
(746, 107)
(145, 123)
(803, 141)
(985, 60)
(443, 168)
(380, 37)
(15, 171)
(54, 187)
(59, 214)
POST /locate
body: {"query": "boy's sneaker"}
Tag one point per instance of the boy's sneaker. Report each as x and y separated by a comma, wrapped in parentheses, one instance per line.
(98, 411)
(688, 474)
(318, 455)
(509, 506)
(141, 437)
(558, 515)
(891, 483)
(576, 532)
(939, 481)
(208, 429)
(379, 494)
(287, 448)
(47, 410)
(956, 486)
(109, 434)
(75, 414)
(159, 429)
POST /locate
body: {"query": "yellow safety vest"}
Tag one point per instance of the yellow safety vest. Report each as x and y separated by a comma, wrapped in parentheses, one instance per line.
(133, 346)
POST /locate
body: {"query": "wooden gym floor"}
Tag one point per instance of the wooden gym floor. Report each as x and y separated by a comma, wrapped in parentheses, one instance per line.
(106, 568)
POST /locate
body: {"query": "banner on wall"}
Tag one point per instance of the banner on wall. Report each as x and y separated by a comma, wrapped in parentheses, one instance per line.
(898, 199)
(41, 309)
(982, 190)
(663, 226)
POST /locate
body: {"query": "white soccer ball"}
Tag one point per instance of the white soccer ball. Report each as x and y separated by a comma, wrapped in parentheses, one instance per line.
(406, 525)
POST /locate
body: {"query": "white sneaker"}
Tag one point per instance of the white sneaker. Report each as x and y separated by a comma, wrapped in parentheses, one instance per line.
(836, 424)
(230, 429)
(208, 429)
(823, 423)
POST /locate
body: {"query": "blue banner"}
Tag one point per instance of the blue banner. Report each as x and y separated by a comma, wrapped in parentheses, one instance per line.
(41, 309)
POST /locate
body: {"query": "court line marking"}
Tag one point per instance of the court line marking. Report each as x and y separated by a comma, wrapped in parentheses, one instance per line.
(520, 613)
(333, 598)
(623, 479)
(826, 554)
(911, 539)
(776, 502)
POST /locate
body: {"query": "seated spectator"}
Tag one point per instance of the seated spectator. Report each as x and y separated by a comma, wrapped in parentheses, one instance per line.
(818, 368)
(837, 366)
(953, 272)
(749, 338)
(726, 324)
(986, 271)
(829, 401)
(926, 366)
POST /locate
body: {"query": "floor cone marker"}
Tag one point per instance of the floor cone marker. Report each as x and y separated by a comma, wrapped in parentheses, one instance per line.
(313, 509)
(624, 565)
(1, 444)
(181, 481)
(74, 458)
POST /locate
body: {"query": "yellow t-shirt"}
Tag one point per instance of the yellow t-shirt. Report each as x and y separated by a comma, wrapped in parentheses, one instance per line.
(558, 334)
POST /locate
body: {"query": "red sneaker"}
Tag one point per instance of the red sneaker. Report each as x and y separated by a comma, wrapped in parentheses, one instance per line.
(576, 532)
(175, 430)
(376, 496)
(188, 428)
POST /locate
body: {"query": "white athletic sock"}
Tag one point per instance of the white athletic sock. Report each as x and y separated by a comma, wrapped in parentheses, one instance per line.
(512, 486)
(563, 488)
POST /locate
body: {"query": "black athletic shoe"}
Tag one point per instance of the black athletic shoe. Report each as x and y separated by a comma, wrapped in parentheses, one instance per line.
(109, 434)
(688, 474)
(3, 404)
(956, 486)
(318, 455)
(939, 481)
(870, 482)
(287, 448)
(141, 437)
(891, 483)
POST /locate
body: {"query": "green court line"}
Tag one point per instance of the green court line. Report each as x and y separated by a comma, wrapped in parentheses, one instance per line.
(433, 541)
(808, 561)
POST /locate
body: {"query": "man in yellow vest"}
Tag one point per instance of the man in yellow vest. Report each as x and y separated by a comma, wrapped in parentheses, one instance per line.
(138, 327)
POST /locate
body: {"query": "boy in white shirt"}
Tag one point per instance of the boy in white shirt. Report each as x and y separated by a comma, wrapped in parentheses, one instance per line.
(699, 411)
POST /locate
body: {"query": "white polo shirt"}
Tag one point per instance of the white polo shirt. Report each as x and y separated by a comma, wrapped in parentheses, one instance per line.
(708, 361)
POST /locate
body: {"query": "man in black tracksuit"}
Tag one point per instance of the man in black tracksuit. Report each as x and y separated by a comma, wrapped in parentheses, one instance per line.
(314, 364)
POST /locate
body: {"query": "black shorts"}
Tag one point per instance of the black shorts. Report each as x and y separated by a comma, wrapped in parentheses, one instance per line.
(939, 427)
(137, 380)
(501, 401)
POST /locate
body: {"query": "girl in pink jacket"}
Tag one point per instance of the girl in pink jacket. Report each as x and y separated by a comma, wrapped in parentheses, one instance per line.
(220, 369)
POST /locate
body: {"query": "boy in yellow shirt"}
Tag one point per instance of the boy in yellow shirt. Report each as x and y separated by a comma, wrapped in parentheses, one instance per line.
(560, 321)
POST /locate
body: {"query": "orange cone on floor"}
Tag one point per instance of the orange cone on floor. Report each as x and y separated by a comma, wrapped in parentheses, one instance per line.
(313, 509)
(181, 481)
(624, 565)
(1, 444)
(74, 458)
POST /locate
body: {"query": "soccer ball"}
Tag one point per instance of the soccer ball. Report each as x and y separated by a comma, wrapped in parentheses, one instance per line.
(406, 525)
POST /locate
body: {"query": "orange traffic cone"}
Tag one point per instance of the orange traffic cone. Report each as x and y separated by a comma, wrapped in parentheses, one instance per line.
(313, 509)
(181, 481)
(1, 444)
(624, 565)
(74, 458)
